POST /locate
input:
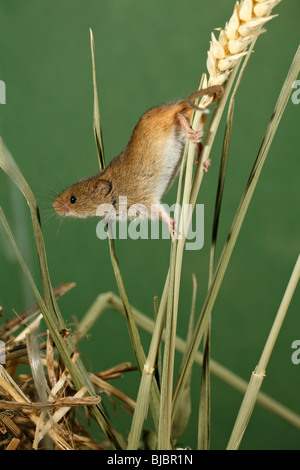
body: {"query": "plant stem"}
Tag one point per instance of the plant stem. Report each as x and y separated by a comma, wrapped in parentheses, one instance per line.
(259, 374)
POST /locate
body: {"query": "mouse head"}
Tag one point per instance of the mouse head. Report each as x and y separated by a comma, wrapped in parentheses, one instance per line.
(83, 198)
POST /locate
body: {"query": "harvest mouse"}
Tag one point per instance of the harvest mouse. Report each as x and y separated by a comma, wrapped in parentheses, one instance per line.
(143, 172)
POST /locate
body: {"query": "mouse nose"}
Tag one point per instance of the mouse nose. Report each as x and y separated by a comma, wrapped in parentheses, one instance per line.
(61, 208)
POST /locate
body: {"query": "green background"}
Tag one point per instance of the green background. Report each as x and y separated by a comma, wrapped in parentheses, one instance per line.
(148, 53)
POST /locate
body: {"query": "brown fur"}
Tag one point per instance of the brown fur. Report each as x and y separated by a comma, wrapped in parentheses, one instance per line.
(135, 172)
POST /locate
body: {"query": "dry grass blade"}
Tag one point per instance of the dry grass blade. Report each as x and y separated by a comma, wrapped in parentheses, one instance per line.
(56, 403)
(165, 423)
(35, 361)
(10, 167)
(29, 327)
(134, 335)
(13, 445)
(141, 408)
(116, 371)
(204, 407)
(97, 121)
(143, 398)
(50, 361)
(258, 375)
(182, 416)
(93, 313)
(39, 378)
(10, 326)
(173, 286)
(132, 329)
(108, 389)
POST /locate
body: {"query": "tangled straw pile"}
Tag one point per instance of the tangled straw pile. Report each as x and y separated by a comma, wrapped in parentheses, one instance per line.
(36, 401)
(245, 24)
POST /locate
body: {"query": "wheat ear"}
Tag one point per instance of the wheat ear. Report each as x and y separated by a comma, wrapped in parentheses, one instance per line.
(246, 22)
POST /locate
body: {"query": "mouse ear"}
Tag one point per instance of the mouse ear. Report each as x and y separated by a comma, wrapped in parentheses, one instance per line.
(101, 186)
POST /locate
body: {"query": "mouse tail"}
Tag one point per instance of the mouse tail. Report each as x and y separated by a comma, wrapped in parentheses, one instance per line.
(217, 91)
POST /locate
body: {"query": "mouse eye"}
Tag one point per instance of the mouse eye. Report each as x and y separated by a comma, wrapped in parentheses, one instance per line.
(73, 199)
